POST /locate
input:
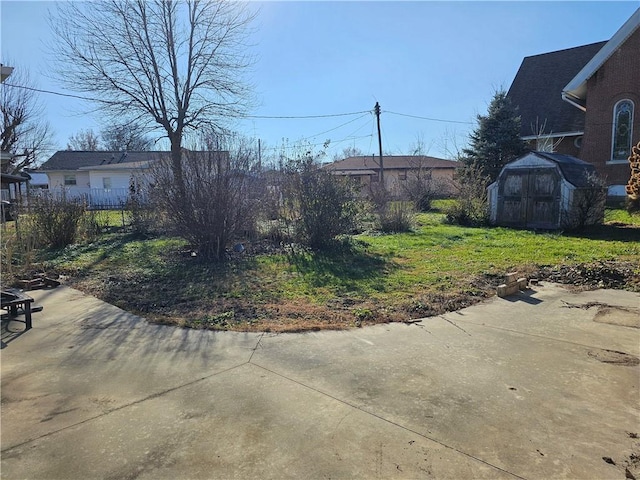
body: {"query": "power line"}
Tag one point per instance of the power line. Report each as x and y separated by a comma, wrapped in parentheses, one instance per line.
(274, 117)
(339, 126)
(428, 118)
(267, 117)
(285, 117)
(60, 94)
(288, 147)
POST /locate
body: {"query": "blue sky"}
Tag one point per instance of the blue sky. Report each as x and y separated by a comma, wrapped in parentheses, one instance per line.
(441, 60)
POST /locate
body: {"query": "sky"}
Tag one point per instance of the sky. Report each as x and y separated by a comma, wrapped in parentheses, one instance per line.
(441, 61)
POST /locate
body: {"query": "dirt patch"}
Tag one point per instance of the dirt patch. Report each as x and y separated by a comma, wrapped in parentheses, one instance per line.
(614, 357)
(611, 274)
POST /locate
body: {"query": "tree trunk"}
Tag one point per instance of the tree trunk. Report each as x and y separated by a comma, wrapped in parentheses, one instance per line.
(176, 165)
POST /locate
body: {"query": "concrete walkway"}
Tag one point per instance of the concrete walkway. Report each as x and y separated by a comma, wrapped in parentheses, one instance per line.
(541, 385)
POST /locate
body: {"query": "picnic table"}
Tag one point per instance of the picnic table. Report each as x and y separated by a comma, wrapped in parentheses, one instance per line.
(16, 302)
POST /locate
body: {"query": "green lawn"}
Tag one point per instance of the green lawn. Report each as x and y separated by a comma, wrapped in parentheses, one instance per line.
(377, 278)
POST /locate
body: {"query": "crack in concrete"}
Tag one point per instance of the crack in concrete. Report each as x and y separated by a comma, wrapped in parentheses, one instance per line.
(121, 407)
(527, 334)
(391, 422)
(258, 344)
(454, 324)
(136, 402)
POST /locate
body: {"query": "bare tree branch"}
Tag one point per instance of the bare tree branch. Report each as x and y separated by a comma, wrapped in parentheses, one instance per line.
(177, 65)
(25, 134)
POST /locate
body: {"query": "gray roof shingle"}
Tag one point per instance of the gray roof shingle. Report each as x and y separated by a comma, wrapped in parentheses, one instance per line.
(73, 160)
(537, 90)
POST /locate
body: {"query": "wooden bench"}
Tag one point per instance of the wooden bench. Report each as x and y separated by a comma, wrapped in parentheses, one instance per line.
(16, 303)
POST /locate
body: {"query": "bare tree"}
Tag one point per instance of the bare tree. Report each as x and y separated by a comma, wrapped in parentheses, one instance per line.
(544, 141)
(419, 186)
(126, 137)
(84, 141)
(25, 134)
(348, 152)
(175, 65)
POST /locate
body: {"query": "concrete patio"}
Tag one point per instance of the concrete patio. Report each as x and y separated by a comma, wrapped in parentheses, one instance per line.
(544, 384)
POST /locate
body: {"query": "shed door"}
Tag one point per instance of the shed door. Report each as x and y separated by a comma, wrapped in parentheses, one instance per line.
(529, 198)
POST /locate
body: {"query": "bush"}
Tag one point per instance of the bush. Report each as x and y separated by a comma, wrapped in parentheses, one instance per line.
(379, 196)
(470, 207)
(588, 204)
(216, 202)
(18, 246)
(633, 186)
(140, 209)
(56, 217)
(320, 205)
(421, 188)
(397, 217)
(467, 212)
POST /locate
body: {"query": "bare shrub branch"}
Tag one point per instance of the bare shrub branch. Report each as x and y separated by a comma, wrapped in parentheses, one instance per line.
(217, 202)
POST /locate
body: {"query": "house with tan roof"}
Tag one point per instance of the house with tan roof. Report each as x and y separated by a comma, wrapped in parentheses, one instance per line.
(396, 170)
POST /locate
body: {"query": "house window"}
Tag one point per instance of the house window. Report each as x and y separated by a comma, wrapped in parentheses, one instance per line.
(402, 175)
(622, 130)
(106, 183)
(69, 180)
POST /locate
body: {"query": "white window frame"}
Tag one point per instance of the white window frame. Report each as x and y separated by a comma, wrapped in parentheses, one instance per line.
(614, 126)
(69, 180)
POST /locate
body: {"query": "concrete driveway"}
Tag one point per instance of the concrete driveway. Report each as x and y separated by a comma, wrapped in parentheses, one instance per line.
(540, 385)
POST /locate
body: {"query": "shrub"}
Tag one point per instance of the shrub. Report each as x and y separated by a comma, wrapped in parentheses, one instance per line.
(470, 207)
(397, 217)
(320, 205)
(56, 217)
(140, 209)
(588, 204)
(379, 196)
(215, 203)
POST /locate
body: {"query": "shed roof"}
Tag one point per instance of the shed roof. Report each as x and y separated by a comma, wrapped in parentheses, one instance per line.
(575, 171)
(392, 162)
(537, 90)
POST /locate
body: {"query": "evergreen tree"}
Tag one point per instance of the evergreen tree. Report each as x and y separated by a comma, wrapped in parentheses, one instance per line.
(496, 141)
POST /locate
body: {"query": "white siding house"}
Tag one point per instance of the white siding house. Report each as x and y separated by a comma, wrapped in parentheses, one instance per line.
(102, 178)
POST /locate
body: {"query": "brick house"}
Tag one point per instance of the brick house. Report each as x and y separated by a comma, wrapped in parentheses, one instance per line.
(583, 102)
(398, 170)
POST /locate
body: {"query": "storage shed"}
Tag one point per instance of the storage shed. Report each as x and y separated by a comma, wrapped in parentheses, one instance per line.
(546, 191)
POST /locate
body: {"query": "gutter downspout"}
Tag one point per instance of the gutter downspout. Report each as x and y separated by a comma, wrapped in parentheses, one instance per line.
(565, 97)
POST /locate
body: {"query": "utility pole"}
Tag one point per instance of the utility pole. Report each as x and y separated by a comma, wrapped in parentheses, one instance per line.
(376, 109)
(259, 156)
